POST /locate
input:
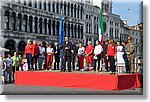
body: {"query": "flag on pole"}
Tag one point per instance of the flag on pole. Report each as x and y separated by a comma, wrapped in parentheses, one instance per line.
(101, 26)
(60, 31)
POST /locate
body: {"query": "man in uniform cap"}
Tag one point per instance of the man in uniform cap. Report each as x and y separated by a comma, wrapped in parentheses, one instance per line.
(130, 51)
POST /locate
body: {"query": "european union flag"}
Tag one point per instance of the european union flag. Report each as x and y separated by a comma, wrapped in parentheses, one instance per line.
(60, 31)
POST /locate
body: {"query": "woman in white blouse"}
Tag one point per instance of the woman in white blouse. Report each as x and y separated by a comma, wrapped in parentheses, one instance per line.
(81, 57)
(120, 59)
(97, 56)
(50, 53)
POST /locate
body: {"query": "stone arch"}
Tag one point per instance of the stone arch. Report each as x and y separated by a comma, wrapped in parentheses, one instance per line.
(21, 47)
(24, 22)
(53, 27)
(75, 7)
(105, 26)
(78, 11)
(79, 35)
(49, 26)
(11, 45)
(40, 25)
(72, 10)
(65, 7)
(68, 29)
(68, 9)
(75, 33)
(36, 24)
(14, 21)
(30, 24)
(65, 29)
(72, 30)
(45, 26)
(19, 22)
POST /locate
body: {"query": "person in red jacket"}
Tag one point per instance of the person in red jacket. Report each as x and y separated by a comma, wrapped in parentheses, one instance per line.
(111, 55)
(35, 54)
(89, 55)
(28, 53)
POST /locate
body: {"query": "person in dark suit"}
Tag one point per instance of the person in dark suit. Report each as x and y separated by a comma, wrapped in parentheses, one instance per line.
(74, 54)
(57, 57)
(67, 48)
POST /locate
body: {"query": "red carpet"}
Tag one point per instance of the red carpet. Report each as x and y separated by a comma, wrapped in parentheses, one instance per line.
(79, 80)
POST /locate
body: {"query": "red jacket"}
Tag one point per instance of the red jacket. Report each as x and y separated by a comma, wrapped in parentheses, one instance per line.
(89, 49)
(111, 50)
(28, 49)
(35, 50)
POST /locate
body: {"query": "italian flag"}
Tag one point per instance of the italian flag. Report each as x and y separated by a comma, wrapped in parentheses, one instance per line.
(101, 26)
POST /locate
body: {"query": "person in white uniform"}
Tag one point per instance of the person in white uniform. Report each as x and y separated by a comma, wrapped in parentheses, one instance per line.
(120, 59)
(97, 56)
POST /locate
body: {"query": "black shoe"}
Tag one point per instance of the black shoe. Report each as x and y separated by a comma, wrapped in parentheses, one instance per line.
(78, 69)
(62, 71)
(111, 73)
(69, 71)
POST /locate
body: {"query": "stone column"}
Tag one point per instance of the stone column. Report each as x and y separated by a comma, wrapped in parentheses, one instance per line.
(77, 31)
(70, 31)
(43, 27)
(52, 31)
(33, 2)
(92, 40)
(55, 6)
(47, 27)
(42, 3)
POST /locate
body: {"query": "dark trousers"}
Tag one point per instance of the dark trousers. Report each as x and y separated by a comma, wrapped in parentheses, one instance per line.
(62, 64)
(73, 62)
(29, 60)
(14, 69)
(106, 63)
(56, 64)
(9, 73)
(97, 60)
(67, 59)
(112, 63)
(34, 61)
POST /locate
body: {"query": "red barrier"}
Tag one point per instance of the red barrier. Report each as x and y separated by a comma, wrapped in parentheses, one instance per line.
(79, 80)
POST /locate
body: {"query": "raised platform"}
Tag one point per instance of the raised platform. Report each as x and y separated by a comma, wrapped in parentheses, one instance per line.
(95, 81)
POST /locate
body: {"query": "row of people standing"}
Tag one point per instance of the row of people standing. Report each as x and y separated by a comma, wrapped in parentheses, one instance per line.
(41, 57)
(123, 54)
(68, 52)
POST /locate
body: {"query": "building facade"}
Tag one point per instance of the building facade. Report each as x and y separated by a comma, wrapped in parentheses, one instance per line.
(136, 35)
(112, 22)
(38, 19)
(22, 20)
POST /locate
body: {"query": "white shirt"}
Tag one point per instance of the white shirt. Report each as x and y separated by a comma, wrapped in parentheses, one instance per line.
(41, 49)
(81, 50)
(98, 49)
(49, 50)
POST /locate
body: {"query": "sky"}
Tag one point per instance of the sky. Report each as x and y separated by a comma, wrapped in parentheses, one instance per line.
(127, 9)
